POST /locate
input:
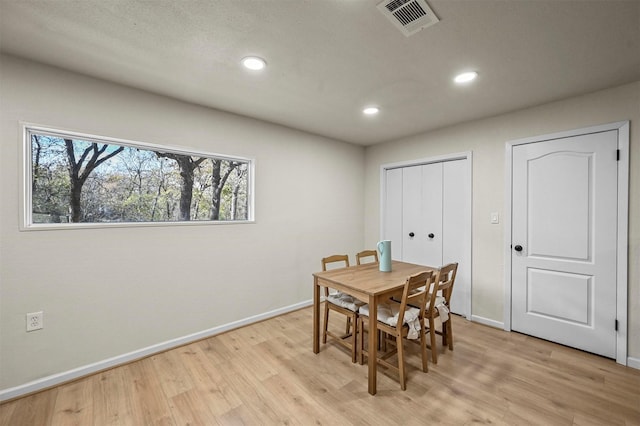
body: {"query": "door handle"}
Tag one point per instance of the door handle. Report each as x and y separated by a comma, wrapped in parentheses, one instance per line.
(518, 248)
(411, 234)
(431, 235)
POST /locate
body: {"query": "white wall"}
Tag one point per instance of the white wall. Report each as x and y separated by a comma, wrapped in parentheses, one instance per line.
(108, 292)
(486, 138)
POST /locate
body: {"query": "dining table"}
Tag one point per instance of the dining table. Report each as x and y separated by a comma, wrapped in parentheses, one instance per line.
(367, 284)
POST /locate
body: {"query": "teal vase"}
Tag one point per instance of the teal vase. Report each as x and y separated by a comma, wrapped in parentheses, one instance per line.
(384, 255)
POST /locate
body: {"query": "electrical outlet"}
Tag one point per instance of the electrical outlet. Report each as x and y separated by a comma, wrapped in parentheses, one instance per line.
(35, 321)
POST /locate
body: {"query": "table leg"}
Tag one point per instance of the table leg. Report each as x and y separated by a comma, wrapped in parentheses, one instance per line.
(373, 344)
(316, 316)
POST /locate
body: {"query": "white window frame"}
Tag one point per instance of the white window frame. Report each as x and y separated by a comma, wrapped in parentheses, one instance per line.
(26, 207)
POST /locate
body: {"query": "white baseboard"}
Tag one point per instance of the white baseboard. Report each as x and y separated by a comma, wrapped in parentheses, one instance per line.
(60, 378)
(633, 363)
(57, 379)
(487, 321)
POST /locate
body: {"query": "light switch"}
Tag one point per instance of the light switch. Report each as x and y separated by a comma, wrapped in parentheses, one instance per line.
(495, 218)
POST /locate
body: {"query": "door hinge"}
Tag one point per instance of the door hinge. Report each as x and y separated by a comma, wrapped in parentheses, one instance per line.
(616, 325)
(618, 155)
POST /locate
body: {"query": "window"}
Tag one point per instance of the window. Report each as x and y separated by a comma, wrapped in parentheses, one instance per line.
(74, 179)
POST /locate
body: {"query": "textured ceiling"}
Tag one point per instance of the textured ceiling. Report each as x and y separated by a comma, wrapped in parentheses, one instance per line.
(329, 58)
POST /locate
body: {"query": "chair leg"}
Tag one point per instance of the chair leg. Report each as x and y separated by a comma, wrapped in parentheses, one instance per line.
(434, 348)
(423, 346)
(348, 328)
(450, 334)
(444, 333)
(326, 322)
(354, 346)
(400, 347)
(361, 340)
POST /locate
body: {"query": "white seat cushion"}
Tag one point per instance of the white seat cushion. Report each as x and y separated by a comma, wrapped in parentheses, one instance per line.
(345, 301)
(388, 313)
(442, 308)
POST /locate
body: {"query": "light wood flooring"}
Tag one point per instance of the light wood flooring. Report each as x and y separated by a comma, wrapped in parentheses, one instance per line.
(267, 374)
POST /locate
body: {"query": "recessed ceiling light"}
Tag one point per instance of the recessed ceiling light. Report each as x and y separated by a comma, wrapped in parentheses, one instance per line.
(254, 63)
(372, 110)
(466, 77)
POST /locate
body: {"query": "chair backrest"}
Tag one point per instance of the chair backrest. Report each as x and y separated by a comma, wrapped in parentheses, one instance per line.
(334, 261)
(367, 254)
(443, 284)
(415, 293)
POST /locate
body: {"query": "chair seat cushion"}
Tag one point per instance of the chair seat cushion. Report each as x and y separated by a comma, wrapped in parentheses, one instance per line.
(388, 313)
(442, 308)
(345, 301)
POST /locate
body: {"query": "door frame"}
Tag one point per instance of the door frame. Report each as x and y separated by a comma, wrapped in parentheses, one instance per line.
(467, 155)
(622, 284)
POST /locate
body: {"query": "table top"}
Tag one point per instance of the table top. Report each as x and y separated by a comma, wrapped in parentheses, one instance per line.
(368, 280)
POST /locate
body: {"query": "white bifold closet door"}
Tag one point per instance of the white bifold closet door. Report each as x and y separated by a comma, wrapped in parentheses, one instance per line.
(427, 216)
(422, 214)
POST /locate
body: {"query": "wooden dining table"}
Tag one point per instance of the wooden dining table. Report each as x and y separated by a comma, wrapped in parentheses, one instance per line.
(368, 284)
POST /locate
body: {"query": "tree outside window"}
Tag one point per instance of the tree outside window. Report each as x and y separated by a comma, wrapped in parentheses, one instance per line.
(92, 180)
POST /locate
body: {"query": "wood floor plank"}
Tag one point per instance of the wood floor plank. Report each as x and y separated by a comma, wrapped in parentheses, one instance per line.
(172, 372)
(112, 405)
(36, 409)
(6, 412)
(267, 373)
(570, 386)
(214, 391)
(191, 408)
(254, 396)
(74, 404)
(149, 403)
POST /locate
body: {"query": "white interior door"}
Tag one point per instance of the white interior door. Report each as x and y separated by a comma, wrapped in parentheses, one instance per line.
(564, 239)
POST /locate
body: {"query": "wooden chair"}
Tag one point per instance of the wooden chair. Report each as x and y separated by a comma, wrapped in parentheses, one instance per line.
(370, 255)
(343, 303)
(397, 321)
(439, 301)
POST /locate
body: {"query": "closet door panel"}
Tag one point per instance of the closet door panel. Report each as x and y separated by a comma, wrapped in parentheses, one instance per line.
(413, 245)
(455, 224)
(393, 212)
(431, 216)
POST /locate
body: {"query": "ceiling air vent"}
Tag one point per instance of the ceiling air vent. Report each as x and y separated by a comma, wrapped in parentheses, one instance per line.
(410, 16)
